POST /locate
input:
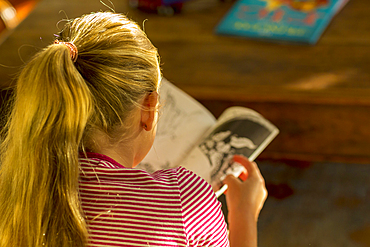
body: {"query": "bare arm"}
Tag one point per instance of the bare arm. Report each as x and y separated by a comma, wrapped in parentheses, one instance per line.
(245, 201)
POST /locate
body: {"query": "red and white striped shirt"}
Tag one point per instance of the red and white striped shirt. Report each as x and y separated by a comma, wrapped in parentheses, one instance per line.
(130, 207)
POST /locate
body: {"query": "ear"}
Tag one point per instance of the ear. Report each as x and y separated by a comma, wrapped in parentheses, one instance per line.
(149, 110)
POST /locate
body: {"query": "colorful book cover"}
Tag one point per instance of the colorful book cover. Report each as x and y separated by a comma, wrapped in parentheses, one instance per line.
(287, 20)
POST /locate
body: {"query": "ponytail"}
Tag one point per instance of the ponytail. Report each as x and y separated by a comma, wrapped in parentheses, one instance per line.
(57, 107)
(39, 201)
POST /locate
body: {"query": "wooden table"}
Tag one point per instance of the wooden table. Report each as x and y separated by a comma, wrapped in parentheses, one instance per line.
(318, 96)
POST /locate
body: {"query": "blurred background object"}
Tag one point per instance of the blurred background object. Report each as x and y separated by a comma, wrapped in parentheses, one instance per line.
(8, 16)
(280, 20)
(12, 12)
(162, 7)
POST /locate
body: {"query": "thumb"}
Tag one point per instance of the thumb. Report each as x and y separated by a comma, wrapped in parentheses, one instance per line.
(231, 181)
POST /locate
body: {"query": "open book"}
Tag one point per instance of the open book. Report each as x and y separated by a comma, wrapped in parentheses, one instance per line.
(188, 135)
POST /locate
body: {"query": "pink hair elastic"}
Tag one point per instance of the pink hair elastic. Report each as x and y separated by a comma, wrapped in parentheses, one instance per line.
(72, 49)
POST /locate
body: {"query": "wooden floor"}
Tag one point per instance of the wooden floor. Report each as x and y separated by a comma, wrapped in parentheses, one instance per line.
(315, 205)
(318, 96)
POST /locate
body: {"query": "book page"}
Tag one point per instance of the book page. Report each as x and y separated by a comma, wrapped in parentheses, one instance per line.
(239, 131)
(182, 122)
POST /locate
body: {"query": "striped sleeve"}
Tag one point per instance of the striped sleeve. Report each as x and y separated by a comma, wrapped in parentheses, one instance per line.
(203, 219)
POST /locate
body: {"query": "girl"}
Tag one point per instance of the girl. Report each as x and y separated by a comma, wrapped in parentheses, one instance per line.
(84, 115)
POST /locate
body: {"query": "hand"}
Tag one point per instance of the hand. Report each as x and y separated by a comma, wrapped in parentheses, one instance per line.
(246, 197)
(245, 200)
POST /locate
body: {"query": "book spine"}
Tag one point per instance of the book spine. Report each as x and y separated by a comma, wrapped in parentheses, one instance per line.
(325, 22)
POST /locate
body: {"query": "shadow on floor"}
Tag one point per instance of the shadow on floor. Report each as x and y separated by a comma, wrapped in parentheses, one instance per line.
(318, 205)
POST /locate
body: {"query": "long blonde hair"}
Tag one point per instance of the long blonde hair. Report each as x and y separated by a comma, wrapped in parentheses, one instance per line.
(57, 104)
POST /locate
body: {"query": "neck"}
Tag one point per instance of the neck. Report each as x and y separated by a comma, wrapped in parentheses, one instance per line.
(123, 151)
(122, 155)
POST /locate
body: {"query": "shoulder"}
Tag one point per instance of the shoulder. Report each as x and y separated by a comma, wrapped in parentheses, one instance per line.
(193, 187)
(203, 219)
(99, 169)
(189, 181)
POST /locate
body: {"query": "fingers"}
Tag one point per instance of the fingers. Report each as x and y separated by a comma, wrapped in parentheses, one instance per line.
(253, 172)
(246, 196)
(231, 180)
(252, 168)
(243, 176)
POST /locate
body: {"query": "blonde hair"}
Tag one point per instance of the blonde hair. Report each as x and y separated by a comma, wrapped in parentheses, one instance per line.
(57, 104)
